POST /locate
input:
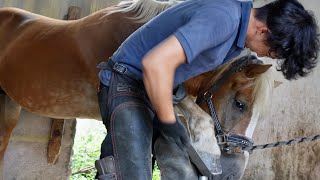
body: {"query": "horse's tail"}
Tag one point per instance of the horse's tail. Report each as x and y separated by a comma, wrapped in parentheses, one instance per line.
(143, 10)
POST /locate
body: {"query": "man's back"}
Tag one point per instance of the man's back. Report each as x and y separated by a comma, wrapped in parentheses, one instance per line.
(206, 29)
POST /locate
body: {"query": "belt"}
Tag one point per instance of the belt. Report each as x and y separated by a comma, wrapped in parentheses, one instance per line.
(118, 68)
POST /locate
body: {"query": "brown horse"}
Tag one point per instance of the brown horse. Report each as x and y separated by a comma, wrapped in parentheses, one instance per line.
(47, 66)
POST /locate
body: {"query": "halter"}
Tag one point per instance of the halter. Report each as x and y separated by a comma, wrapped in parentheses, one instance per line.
(229, 143)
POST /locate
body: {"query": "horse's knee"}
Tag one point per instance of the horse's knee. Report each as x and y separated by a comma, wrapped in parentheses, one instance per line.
(173, 162)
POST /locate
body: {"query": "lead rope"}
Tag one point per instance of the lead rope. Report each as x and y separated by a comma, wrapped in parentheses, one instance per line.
(284, 143)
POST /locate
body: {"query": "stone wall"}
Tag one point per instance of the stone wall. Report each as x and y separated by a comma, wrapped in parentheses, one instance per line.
(294, 113)
(26, 156)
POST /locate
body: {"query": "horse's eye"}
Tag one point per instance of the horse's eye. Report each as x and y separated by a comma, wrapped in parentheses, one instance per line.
(239, 105)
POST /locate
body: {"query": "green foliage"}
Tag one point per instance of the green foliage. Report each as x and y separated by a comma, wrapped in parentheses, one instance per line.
(86, 150)
(156, 173)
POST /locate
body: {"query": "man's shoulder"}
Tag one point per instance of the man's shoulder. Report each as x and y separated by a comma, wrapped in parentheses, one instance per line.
(222, 3)
(231, 7)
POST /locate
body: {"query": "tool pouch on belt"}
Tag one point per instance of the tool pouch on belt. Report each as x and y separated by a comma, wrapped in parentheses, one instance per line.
(103, 100)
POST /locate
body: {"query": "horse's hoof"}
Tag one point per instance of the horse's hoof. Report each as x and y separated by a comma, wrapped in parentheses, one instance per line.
(212, 162)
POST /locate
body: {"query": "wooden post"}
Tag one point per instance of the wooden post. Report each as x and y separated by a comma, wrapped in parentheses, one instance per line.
(57, 126)
(74, 13)
(56, 134)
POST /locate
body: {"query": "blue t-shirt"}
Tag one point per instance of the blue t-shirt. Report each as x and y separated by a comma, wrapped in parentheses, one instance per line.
(211, 32)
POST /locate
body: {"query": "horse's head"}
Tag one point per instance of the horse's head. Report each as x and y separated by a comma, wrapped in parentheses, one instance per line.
(235, 98)
(238, 95)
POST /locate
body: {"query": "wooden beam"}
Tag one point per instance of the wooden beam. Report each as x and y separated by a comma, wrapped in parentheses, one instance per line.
(74, 13)
(57, 126)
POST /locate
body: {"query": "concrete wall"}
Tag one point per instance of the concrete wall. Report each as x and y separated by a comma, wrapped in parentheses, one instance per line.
(26, 156)
(294, 113)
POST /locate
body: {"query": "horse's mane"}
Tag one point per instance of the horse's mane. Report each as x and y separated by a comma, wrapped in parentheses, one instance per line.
(262, 92)
(143, 10)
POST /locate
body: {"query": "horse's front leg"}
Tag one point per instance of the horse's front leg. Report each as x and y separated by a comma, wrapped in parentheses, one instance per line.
(202, 133)
(173, 162)
(9, 114)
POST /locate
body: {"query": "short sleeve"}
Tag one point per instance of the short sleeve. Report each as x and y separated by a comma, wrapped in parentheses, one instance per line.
(204, 30)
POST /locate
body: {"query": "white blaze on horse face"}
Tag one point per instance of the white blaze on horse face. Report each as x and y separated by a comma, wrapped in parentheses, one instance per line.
(253, 123)
(246, 156)
(249, 133)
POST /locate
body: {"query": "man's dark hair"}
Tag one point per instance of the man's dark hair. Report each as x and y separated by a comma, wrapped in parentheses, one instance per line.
(293, 36)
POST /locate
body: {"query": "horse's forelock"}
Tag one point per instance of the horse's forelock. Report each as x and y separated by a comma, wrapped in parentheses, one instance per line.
(214, 76)
(262, 92)
(261, 99)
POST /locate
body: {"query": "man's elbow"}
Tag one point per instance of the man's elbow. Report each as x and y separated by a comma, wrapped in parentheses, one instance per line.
(148, 66)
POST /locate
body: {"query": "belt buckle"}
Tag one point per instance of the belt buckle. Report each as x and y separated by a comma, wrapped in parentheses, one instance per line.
(119, 68)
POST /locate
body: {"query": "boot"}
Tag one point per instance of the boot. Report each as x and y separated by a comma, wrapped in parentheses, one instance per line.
(106, 168)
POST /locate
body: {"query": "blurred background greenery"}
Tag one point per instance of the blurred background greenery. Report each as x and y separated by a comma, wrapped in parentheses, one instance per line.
(86, 149)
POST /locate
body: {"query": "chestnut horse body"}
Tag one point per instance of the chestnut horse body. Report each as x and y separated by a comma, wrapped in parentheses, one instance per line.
(48, 67)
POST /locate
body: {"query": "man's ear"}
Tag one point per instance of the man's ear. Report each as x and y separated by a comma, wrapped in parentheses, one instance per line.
(263, 31)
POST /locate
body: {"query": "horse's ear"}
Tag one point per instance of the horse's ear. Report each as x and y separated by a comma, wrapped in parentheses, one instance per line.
(254, 70)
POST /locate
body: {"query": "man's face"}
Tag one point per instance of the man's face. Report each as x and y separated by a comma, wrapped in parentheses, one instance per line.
(257, 34)
(259, 47)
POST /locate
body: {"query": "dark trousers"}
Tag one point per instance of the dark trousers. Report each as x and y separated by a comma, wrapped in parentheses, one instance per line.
(128, 117)
(128, 120)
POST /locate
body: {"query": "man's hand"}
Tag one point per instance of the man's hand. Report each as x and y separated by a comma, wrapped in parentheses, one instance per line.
(175, 131)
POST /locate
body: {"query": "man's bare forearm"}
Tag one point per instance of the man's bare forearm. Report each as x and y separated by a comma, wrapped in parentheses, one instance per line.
(159, 66)
(158, 83)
